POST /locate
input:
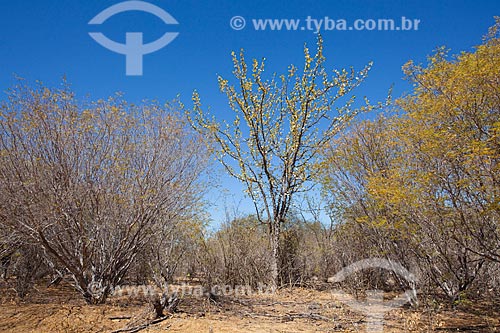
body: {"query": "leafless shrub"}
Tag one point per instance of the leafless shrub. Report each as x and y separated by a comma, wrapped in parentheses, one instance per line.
(237, 254)
(88, 183)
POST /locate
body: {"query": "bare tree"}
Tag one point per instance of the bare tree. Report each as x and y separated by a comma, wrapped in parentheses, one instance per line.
(88, 182)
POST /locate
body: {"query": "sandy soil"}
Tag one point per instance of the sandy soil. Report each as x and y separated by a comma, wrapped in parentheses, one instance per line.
(60, 309)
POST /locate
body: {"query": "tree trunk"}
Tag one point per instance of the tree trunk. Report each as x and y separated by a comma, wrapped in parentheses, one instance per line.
(275, 244)
(94, 293)
(95, 299)
(163, 302)
(5, 263)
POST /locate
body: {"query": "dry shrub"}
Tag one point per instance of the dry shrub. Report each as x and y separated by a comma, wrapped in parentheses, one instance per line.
(237, 254)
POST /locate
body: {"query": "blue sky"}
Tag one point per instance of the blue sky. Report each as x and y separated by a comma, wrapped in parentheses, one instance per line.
(44, 40)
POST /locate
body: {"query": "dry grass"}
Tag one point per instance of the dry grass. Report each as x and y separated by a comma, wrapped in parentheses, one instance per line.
(60, 309)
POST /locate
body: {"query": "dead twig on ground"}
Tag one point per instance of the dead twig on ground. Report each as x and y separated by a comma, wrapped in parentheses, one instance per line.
(141, 327)
(289, 316)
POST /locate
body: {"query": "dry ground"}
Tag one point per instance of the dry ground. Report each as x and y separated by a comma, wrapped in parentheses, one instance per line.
(60, 309)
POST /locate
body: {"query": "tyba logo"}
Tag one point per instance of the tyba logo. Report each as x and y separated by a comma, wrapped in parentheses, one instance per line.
(134, 49)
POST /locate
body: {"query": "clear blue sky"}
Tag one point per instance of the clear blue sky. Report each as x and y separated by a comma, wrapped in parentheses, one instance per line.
(44, 40)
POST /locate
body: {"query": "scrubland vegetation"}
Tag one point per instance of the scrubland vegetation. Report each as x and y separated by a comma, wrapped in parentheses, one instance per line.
(97, 195)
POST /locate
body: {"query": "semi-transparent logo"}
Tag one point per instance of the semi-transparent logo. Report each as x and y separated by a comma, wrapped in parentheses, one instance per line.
(134, 48)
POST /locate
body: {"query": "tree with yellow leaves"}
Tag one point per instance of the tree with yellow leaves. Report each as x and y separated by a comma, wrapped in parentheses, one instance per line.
(452, 132)
(426, 178)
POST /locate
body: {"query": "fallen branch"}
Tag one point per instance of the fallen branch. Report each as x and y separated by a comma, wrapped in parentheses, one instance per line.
(141, 327)
(290, 316)
(120, 318)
